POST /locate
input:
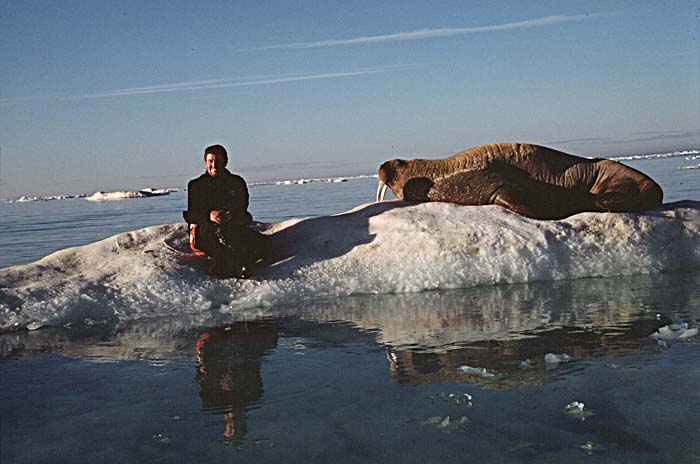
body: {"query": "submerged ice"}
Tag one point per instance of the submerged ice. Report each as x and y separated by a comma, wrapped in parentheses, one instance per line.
(377, 248)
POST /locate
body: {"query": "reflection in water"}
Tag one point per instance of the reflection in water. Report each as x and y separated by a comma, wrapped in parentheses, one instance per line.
(580, 317)
(441, 321)
(228, 370)
(521, 361)
(479, 340)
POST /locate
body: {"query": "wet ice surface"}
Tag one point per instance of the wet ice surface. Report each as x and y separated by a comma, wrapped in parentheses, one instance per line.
(372, 379)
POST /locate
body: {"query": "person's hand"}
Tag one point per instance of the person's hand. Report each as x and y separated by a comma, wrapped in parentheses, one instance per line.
(219, 217)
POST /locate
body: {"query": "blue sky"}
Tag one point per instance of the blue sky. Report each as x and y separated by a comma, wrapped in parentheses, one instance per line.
(99, 95)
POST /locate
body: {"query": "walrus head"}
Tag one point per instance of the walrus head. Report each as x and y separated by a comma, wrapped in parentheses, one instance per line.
(388, 176)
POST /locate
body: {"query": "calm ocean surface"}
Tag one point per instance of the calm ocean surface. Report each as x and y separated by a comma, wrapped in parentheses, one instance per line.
(442, 376)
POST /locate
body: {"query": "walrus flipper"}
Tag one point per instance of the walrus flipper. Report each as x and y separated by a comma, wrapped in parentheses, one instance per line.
(539, 200)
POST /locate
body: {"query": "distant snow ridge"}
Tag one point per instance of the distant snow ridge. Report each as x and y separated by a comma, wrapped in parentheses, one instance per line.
(377, 248)
(687, 153)
(151, 192)
(327, 180)
(147, 192)
(24, 199)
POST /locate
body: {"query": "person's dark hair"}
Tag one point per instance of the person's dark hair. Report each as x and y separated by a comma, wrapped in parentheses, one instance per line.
(217, 150)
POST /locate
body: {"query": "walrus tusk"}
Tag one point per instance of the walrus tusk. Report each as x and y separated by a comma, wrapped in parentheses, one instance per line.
(381, 191)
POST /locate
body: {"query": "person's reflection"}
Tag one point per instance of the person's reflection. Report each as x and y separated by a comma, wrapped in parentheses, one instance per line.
(228, 370)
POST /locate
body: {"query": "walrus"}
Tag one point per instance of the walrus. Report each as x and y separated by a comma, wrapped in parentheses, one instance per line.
(531, 180)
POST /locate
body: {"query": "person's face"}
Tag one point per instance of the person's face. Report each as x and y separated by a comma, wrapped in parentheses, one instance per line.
(215, 164)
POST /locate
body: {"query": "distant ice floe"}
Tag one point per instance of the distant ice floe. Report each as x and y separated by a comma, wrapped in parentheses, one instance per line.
(688, 153)
(326, 180)
(380, 248)
(143, 193)
(151, 192)
(690, 167)
(24, 199)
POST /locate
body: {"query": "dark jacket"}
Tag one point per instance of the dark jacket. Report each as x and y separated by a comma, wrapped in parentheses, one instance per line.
(225, 192)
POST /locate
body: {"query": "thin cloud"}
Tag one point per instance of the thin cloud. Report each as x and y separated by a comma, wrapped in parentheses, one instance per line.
(579, 140)
(431, 33)
(210, 84)
(634, 137)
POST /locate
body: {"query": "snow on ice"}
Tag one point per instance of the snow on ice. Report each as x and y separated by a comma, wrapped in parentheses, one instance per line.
(379, 248)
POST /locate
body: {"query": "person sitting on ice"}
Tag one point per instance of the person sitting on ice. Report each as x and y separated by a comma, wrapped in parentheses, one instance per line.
(219, 221)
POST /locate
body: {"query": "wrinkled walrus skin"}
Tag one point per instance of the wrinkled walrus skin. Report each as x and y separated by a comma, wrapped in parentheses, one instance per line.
(530, 180)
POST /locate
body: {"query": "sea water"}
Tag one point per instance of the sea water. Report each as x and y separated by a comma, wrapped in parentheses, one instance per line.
(483, 373)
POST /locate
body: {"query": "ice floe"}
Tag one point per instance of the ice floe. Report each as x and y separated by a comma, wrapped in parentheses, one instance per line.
(143, 193)
(25, 199)
(392, 247)
(673, 154)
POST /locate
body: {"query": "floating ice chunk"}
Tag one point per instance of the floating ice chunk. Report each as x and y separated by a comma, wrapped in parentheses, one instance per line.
(35, 325)
(161, 438)
(551, 358)
(675, 332)
(578, 410)
(151, 192)
(480, 371)
(575, 406)
(446, 423)
(590, 447)
(464, 399)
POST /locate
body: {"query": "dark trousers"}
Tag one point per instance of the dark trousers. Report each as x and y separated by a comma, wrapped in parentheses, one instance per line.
(237, 244)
